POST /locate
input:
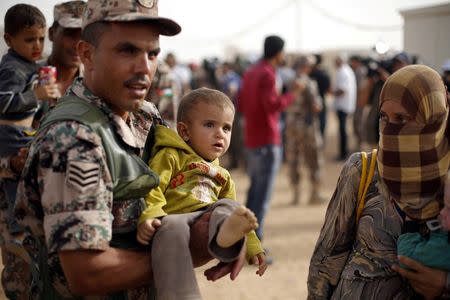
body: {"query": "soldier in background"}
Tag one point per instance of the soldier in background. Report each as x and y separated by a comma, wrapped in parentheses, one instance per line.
(163, 93)
(303, 139)
(64, 34)
(181, 74)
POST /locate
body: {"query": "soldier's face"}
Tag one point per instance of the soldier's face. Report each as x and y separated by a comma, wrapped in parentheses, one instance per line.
(121, 68)
(64, 49)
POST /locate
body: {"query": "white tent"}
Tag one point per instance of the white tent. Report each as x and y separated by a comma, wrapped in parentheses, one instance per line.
(220, 28)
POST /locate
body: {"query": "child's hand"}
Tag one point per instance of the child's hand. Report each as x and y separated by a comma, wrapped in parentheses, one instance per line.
(47, 92)
(260, 261)
(146, 230)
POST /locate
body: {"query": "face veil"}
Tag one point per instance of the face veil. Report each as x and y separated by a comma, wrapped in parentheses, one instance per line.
(413, 158)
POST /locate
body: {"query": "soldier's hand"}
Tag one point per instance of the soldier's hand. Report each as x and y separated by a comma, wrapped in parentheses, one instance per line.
(47, 92)
(198, 243)
(146, 230)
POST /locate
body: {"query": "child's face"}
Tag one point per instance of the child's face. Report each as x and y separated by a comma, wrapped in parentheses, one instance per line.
(28, 42)
(208, 131)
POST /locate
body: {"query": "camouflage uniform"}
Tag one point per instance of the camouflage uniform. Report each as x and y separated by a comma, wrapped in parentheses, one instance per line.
(16, 269)
(64, 210)
(163, 93)
(303, 138)
(68, 196)
(5, 168)
(68, 14)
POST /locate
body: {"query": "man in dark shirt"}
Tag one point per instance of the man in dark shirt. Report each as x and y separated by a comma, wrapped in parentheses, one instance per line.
(323, 82)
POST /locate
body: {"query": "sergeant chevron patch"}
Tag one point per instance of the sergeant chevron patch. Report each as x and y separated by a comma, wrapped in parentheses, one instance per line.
(82, 176)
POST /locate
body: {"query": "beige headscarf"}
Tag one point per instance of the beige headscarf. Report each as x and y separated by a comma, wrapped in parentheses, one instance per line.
(414, 159)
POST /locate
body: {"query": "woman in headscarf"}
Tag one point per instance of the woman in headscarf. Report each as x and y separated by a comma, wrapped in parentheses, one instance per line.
(358, 260)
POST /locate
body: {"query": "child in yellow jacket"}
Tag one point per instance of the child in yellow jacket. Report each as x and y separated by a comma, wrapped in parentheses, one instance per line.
(191, 183)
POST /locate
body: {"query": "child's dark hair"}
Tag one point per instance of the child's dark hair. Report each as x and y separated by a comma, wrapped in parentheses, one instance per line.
(22, 16)
(205, 95)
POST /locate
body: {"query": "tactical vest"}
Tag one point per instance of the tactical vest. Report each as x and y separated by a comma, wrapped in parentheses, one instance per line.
(132, 179)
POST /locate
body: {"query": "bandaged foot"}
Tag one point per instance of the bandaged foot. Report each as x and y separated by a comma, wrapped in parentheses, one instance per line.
(236, 226)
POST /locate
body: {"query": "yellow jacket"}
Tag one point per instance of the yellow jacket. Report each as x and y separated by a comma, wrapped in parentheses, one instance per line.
(187, 182)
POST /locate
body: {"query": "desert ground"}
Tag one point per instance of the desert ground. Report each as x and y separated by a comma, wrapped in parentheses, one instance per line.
(290, 235)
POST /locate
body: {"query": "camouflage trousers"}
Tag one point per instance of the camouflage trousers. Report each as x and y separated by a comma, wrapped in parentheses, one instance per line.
(16, 276)
(303, 143)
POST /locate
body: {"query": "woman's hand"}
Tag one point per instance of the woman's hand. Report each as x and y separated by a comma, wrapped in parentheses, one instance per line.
(426, 281)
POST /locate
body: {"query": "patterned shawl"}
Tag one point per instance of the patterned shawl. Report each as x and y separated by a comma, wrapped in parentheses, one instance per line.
(414, 158)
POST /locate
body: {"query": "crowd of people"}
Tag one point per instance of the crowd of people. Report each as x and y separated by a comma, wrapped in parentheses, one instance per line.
(110, 181)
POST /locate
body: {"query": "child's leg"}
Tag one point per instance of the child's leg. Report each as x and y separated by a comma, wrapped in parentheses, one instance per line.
(229, 224)
(173, 271)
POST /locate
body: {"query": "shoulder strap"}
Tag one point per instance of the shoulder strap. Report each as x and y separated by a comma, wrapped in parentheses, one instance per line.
(71, 108)
(149, 143)
(366, 180)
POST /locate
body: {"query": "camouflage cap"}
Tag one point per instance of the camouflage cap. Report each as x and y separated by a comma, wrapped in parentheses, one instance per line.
(127, 11)
(68, 14)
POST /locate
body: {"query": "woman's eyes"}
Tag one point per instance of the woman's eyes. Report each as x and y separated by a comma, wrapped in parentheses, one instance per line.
(398, 119)
(402, 119)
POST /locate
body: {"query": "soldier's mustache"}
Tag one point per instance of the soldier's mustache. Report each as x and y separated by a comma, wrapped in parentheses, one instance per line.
(138, 80)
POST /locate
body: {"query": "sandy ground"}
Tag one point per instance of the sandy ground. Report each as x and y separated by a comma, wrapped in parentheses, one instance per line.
(290, 235)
